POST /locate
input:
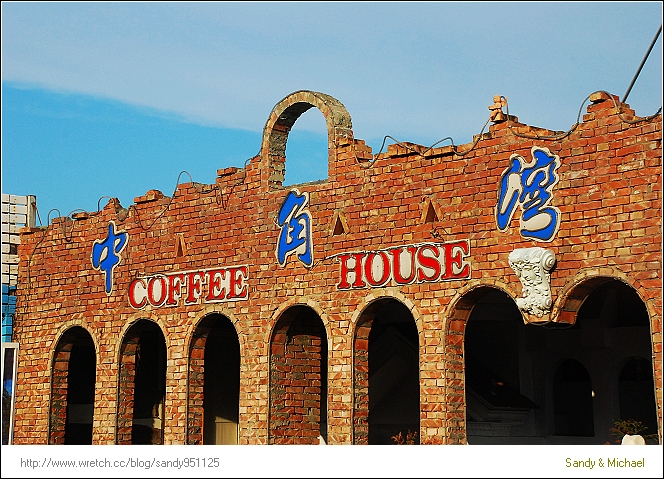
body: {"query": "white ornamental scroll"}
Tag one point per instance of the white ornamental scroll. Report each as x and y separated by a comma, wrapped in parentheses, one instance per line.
(533, 267)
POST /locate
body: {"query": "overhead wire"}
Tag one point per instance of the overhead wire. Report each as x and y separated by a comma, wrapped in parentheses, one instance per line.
(199, 187)
(170, 201)
(125, 215)
(510, 121)
(643, 62)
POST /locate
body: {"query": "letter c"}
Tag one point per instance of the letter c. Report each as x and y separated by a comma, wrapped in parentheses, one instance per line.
(136, 293)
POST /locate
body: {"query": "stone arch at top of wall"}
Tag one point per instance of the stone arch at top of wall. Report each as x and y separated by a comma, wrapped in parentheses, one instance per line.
(281, 120)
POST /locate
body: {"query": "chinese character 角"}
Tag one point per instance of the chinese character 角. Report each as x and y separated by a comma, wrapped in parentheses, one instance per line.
(295, 235)
(106, 253)
(529, 186)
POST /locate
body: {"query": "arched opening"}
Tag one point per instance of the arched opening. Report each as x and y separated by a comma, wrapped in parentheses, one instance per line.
(307, 149)
(615, 328)
(573, 400)
(298, 378)
(386, 375)
(636, 393)
(280, 122)
(214, 382)
(569, 372)
(142, 385)
(499, 405)
(74, 372)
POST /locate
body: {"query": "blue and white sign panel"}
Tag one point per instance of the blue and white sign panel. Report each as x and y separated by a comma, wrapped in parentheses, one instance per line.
(295, 235)
(106, 254)
(529, 186)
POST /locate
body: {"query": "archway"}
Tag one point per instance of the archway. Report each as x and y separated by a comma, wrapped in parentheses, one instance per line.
(498, 389)
(307, 150)
(553, 363)
(142, 385)
(614, 328)
(73, 377)
(386, 375)
(214, 382)
(298, 378)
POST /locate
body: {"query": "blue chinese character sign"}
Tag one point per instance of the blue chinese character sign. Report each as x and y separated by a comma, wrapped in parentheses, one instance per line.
(529, 186)
(106, 253)
(295, 236)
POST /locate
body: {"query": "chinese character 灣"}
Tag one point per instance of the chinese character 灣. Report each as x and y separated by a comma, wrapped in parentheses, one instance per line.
(529, 186)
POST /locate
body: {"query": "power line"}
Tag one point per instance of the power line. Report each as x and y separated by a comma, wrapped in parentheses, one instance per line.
(642, 63)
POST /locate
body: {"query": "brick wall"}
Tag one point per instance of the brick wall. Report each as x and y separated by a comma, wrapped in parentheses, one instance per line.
(609, 198)
(297, 361)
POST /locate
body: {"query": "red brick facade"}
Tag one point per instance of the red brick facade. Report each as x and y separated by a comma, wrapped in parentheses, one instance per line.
(303, 341)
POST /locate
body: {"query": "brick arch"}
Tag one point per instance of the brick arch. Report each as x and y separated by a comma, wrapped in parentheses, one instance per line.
(362, 322)
(67, 325)
(285, 306)
(458, 306)
(194, 420)
(297, 391)
(577, 404)
(127, 351)
(583, 284)
(196, 371)
(68, 336)
(618, 366)
(377, 295)
(281, 120)
(147, 316)
(235, 321)
(453, 341)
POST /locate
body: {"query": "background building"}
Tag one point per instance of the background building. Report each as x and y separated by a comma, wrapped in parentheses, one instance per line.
(17, 212)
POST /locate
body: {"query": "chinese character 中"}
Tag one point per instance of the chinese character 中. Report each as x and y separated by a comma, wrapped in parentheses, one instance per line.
(529, 186)
(106, 253)
(295, 235)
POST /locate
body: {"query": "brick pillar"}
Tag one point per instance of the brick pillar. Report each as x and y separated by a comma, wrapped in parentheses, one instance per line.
(455, 376)
(59, 384)
(361, 383)
(195, 386)
(455, 391)
(126, 387)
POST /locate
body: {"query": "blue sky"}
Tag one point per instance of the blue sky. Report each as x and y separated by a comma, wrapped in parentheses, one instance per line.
(115, 99)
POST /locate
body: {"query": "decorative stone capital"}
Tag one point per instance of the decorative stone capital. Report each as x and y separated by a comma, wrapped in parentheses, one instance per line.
(533, 267)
